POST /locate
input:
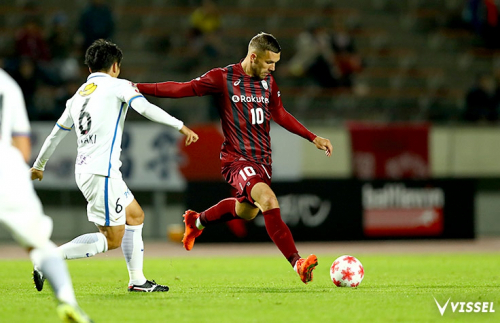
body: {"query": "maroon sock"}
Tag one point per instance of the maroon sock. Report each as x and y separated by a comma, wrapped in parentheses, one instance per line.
(281, 235)
(221, 212)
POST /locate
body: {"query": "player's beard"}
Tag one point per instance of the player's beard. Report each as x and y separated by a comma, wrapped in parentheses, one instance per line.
(263, 75)
(259, 73)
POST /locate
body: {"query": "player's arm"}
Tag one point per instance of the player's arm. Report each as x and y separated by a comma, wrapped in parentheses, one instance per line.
(156, 114)
(209, 83)
(60, 130)
(49, 146)
(20, 126)
(23, 143)
(287, 121)
(167, 89)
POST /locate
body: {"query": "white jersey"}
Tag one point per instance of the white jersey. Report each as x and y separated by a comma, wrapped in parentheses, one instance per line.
(97, 111)
(13, 116)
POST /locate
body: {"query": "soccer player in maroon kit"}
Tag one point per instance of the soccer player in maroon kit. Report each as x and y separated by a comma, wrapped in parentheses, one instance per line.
(247, 98)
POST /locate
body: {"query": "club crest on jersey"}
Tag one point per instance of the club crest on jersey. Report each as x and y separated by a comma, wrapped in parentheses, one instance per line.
(237, 82)
(264, 84)
(88, 90)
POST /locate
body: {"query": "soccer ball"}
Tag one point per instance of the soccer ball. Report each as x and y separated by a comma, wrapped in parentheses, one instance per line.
(347, 271)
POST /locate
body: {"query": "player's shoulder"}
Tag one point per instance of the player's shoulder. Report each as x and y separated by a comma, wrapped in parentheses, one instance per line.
(5, 76)
(215, 74)
(8, 82)
(217, 71)
(125, 84)
(233, 67)
(117, 86)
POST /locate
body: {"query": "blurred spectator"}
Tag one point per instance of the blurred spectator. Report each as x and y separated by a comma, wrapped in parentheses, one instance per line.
(483, 18)
(471, 14)
(30, 42)
(481, 102)
(32, 45)
(61, 48)
(348, 61)
(59, 39)
(96, 21)
(491, 27)
(315, 57)
(204, 38)
(31, 57)
(206, 19)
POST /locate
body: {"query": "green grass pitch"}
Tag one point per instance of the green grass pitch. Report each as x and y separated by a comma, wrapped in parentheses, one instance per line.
(396, 288)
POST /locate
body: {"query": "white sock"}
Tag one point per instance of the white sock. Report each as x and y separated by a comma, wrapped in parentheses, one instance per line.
(199, 225)
(86, 245)
(53, 267)
(133, 251)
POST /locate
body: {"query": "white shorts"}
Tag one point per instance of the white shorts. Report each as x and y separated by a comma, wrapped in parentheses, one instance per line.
(106, 198)
(21, 211)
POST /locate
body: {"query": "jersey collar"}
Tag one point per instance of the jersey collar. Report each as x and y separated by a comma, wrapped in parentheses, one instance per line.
(98, 74)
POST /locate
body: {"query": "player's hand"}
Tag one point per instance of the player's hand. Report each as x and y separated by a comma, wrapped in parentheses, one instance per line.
(323, 144)
(191, 136)
(36, 174)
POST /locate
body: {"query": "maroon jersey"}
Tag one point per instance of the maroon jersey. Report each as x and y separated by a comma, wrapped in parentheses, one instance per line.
(246, 106)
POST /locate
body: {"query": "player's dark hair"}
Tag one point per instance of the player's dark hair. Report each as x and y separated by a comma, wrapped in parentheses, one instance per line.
(264, 41)
(102, 54)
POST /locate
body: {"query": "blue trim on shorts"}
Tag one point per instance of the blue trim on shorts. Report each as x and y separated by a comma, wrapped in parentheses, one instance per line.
(114, 137)
(106, 206)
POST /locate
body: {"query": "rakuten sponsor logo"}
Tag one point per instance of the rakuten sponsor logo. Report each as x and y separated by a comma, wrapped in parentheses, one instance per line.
(249, 99)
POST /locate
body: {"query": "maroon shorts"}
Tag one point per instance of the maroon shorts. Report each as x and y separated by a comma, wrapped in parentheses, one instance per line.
(243, 175)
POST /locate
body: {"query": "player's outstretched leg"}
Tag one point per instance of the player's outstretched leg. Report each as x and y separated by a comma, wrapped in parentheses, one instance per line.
(305, 266)
(83, 246)
(50, 262)
(191, 231)
(38, 278)
(148, 286)
(72, 314)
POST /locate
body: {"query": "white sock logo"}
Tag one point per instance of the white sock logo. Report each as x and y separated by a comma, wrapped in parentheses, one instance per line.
(441, 309)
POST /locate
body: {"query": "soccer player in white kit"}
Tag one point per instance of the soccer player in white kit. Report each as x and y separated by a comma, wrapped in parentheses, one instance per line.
(97, 112)
(20, 209)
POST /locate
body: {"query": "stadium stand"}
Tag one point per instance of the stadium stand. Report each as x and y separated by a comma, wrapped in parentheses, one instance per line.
(416, 67)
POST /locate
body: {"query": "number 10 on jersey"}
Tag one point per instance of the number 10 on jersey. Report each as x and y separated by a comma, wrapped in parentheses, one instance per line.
(257, 116)
(247, 172)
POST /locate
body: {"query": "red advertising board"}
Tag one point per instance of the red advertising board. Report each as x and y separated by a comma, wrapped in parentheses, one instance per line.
(201, 160)
(397, 222)
(396, 210)
(389, 150)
